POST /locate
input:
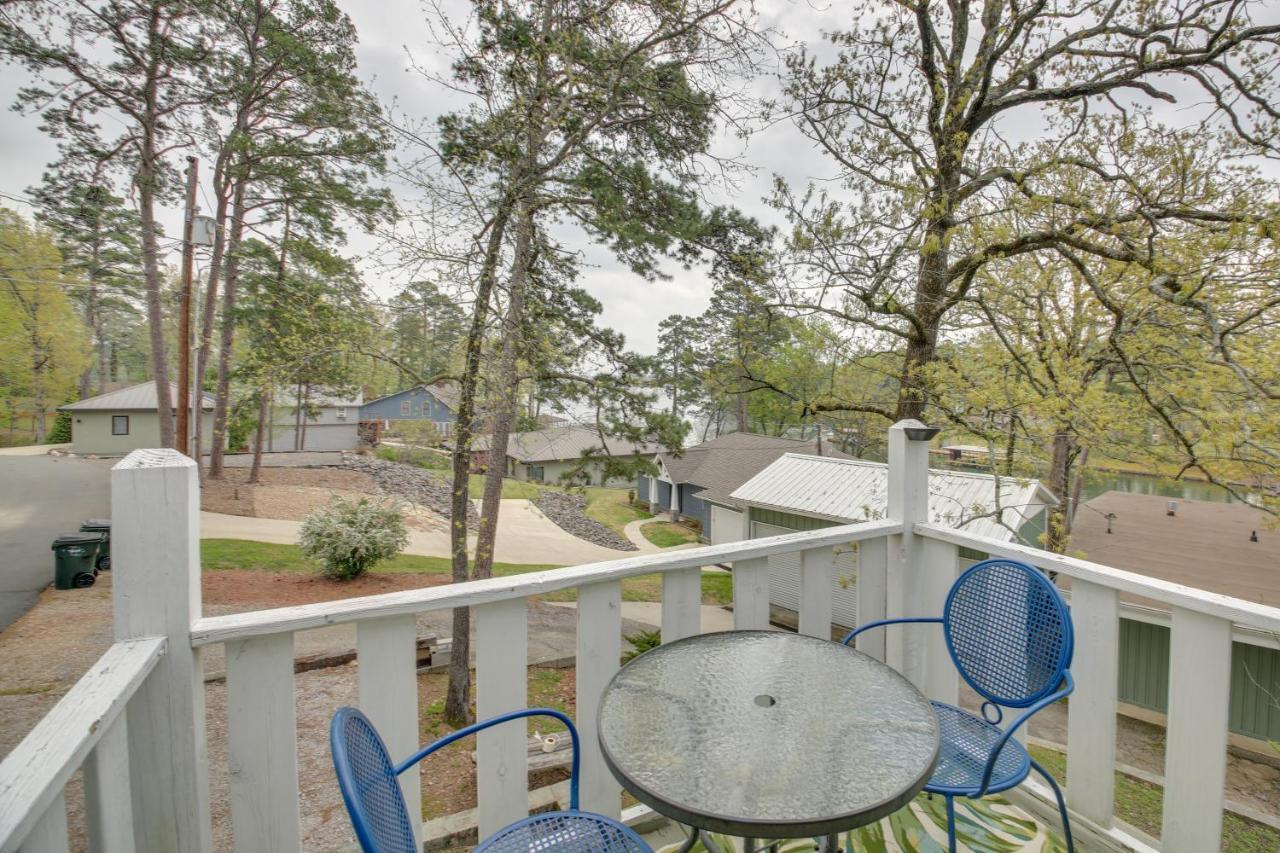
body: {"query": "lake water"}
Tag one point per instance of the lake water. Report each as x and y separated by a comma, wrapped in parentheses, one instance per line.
(1097, 482)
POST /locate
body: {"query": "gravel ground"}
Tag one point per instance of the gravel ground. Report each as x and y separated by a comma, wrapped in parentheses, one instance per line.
(418, 485)
(568, 512)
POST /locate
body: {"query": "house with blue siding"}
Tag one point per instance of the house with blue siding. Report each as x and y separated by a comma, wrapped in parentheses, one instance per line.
(437, 403)
(695, 484)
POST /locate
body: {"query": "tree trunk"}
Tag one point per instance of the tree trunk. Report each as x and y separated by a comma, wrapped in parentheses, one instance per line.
(155, 310)
(230, 282)
(504, 407)
(222, 192)
(457, 707)
(264, 411)
(1077, 485)
(1056, 524)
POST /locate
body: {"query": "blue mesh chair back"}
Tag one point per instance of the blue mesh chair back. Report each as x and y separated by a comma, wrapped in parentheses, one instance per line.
(1009, 632)
(369, 784)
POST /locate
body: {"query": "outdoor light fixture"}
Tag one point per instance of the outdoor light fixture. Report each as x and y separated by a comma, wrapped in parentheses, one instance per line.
(921, 433)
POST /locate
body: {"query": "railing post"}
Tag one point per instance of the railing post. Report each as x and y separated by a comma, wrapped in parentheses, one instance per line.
(750, 586)
(1091, 723)
(681, 604)
(1195, 760)
(502, 757)
(155, 550)
(908, 502)
(387, 663)
(873, 578)
(108, 814)
(817, 572)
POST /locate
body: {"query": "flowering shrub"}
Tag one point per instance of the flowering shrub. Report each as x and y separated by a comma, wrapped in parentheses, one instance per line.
(347, 538)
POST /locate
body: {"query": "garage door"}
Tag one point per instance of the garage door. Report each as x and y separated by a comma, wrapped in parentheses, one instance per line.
(784, 579)
(726, 525)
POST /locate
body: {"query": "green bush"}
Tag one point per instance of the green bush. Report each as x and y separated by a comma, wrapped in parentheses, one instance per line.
(641, 642)
(60, 432)
(347, 538)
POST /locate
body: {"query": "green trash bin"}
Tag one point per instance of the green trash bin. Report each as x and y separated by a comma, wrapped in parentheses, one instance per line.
(73, 555)
(101, 526)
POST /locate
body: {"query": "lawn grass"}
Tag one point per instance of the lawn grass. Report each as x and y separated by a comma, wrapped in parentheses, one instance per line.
(1140, 804)
(245, 555)
(666, 534)
(611, 508)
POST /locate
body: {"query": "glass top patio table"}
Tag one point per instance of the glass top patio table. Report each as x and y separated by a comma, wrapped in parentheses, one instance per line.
(767, 734)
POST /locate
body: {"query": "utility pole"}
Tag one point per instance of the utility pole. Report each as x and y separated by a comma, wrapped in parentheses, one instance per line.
(182, 434)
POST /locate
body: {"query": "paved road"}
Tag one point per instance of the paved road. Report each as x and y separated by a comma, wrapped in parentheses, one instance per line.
(40, 497)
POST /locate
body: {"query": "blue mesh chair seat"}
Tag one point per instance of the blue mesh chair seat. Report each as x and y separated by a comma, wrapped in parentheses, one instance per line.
(564, 832)
(371, 791)
(1010, 637)
(967, 742)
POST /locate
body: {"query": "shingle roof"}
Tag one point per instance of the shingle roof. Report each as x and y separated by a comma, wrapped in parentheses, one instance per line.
(857, 490)
(444, 390)
(723, 464)
(135, 398)
(549, 445)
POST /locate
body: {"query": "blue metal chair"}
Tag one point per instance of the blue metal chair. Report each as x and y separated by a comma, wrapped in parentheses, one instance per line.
(1009, 633)
(368, 776)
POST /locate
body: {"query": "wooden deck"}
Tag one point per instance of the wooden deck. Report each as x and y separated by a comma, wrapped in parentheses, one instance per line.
(1205, 544)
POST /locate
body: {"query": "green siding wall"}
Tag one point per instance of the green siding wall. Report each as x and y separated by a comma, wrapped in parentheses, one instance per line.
(786, 519)
(1144, 665)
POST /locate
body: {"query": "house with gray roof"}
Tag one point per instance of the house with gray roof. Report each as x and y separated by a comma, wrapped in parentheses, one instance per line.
(318, 418)
(114, 423)
(803, 492)
(696, 483)
(548, 455)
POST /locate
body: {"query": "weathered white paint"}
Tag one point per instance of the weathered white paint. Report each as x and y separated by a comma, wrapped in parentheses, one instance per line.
(873, 569)
(155, 554)
(751, 593)
(1195, 758)
(598, 655)
(939, 563)
(108, 800)
(50, 832)
(817, 570)
(262, 737)
(502, 760)
(219, 629)
(681, 604)
(908, 502)
(33, 775)
(1173, 594)
(1091, 723)
(387, 662)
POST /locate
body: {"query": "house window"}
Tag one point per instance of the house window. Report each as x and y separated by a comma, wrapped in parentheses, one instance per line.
(119, 424)
(406, 406)
(342, 413)
(535, 473)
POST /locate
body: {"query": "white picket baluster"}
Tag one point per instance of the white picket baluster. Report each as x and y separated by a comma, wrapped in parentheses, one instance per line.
(939, 562)
(872, 580)
(681, 604)
(387, 659)
(751, 594)
(1091, 723)
(817, 573)
(1195, 759)
(262, 738)
(50, 832)
(502, 760)
(108, 801)
(599, 652)
(908, 502)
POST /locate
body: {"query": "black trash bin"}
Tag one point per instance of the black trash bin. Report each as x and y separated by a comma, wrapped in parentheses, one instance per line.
(101, 526)
(73, 555)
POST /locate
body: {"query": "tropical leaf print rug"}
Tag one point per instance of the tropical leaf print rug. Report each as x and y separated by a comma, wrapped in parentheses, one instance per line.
(991, 825)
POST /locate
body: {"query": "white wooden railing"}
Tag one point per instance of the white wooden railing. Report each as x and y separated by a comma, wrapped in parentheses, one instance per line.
(905, 567)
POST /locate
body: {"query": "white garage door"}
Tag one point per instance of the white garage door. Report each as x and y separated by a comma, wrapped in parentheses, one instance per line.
(726, 525)
(784, 579)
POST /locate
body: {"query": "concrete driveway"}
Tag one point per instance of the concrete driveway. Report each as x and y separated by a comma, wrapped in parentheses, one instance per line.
(525, 535)
(40, 497)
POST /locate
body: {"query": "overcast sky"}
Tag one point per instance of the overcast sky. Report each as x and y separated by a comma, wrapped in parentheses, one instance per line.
(391, 30)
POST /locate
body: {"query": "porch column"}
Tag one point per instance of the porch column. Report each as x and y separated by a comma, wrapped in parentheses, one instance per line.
(155, 551)
(908, 502)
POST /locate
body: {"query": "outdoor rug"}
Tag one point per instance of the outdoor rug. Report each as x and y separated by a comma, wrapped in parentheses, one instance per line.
(991, 825)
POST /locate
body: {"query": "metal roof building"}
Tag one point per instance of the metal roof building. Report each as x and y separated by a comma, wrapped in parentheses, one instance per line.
(845, 490)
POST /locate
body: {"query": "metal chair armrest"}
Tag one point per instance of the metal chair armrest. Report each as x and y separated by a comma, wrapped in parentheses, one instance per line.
(467, 731)
(1068, 686)
(882, 622)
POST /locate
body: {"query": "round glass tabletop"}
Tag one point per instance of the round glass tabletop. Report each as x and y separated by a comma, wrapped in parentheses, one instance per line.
(766, 734)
